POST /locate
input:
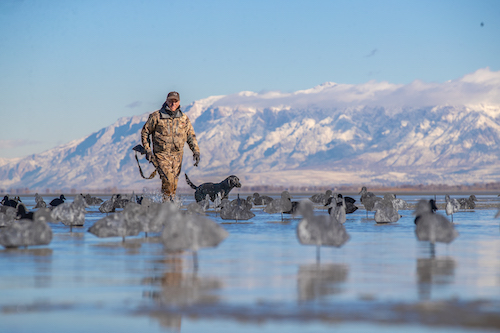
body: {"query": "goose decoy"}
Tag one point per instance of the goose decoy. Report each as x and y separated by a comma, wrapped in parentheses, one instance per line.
(9, 202)
(109, 206)
(238, 209)
(22, 213)
(205, 203)
(468, 203)
(132, 220)
(25, 233)
(145, 216)
(183, 232)
(293, 211)
(321, 198)
(92, 201)
(319, 230)
(195, 208)
(385, 212)
(40, 203)
(7, 215)
(57, 201)
(261, 200)
(432, 227)
(280, 205)
(368, 199)
(338, 209)
(399, 204)
(350, 207)
(71, 213)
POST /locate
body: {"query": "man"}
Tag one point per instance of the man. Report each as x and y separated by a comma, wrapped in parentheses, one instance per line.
(169, 129)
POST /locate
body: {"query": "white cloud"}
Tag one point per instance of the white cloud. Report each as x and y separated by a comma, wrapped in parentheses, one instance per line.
(10, 144)
(480, 87)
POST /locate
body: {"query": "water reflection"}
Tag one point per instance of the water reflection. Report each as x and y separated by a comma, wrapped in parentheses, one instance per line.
(42, 263)
(434, 271)
(318, 281)
(176, 288)
(130, 245)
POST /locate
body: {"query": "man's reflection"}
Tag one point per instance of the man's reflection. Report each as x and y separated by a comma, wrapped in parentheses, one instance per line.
(317, 281)
(176, 287)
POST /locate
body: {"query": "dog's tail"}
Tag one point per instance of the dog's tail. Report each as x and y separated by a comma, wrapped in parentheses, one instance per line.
(190, 183)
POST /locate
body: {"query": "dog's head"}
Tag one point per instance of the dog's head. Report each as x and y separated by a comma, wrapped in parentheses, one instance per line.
(233, 181)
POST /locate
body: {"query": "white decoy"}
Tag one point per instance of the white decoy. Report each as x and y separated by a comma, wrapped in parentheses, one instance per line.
(319, 230)
(205, 203)
(217, 202)
(338, 209)
(452, 206)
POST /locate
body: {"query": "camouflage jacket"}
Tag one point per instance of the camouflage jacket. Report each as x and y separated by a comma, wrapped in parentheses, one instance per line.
(169, 132)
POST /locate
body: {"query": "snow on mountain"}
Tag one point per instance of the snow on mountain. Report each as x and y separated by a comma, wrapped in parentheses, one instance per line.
(335, 134)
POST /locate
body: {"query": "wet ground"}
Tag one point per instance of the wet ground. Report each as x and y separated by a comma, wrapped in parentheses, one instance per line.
(260, 279)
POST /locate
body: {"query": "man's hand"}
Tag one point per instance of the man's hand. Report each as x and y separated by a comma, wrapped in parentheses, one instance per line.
(196, 159)
(149, 156)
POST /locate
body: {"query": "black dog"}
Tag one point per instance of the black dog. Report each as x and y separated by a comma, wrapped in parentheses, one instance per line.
(224, 187)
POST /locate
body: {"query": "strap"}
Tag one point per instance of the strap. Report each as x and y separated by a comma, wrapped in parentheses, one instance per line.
(140, 170)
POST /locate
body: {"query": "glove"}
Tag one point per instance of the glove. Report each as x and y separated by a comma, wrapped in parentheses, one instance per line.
(149, 155)
(196, 159)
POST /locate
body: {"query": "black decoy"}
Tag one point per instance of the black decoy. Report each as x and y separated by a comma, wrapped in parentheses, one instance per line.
(57, 201)
(23, 214)
(9, 202)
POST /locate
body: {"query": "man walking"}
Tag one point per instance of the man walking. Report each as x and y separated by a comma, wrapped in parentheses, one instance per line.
(169, 129)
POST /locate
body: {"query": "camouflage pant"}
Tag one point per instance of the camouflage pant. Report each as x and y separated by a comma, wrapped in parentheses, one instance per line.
(170, 164)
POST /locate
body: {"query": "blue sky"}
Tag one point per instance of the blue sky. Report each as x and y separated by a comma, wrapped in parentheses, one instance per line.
(70, 68)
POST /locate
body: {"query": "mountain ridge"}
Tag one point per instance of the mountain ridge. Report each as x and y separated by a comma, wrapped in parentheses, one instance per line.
(309, 137)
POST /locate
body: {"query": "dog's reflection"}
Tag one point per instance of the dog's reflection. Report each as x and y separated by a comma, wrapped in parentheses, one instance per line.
(317, 281)
(434, 271)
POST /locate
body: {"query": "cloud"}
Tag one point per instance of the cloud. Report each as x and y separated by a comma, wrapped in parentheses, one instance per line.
(11, 144)
(133, 105)
(480, 87)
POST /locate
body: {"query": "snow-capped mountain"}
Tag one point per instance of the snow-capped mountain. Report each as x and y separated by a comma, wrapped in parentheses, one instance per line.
(331, 134)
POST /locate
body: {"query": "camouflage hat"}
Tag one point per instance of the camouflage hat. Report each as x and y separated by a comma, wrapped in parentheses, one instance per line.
(173, 95)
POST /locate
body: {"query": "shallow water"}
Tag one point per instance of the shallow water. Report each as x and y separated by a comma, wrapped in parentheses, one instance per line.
(260, 279)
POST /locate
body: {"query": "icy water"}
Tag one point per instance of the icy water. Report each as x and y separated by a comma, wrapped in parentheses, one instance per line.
(260, 279)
